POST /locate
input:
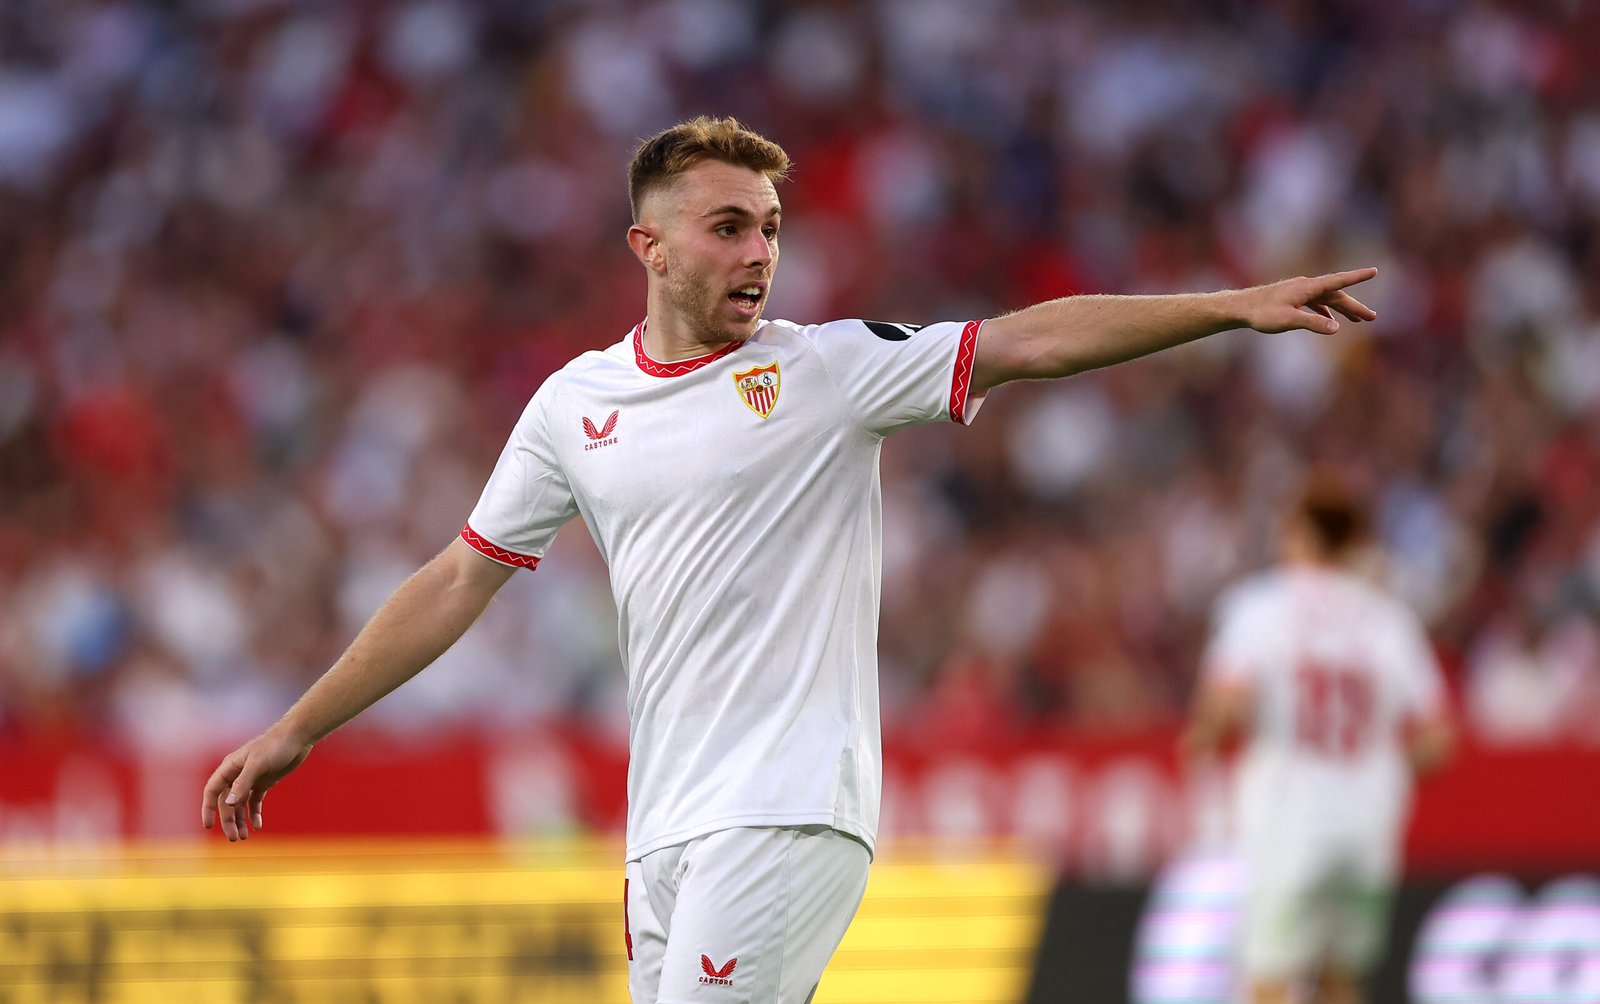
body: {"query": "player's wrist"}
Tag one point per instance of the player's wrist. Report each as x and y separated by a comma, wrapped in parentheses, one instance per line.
(292, 730)
(1227, 309)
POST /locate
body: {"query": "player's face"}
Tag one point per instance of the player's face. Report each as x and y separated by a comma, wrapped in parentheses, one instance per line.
(720, 239)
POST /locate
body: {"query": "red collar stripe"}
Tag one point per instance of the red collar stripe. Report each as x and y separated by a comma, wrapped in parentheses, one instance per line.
(961, 381)
(679, 368)
(490, 549)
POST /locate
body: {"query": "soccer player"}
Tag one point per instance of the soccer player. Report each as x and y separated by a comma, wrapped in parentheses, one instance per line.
(727, 467)
(1338, 692)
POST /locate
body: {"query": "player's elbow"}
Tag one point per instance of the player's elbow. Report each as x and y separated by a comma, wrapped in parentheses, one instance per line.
(462, 572)
(1016, 347)
(1198, 743)
(1431, 746)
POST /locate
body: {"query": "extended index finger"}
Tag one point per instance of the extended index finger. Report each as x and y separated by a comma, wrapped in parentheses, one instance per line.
(1339, 280)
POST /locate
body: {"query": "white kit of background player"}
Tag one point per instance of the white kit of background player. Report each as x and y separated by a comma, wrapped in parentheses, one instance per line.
(1336, 687)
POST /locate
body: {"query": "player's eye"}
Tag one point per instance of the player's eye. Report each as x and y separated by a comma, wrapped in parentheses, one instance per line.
(727, 230)
(771, 232)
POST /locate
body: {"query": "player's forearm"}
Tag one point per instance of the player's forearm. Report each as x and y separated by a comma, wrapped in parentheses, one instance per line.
(415, 626)
(1061, 337)
(1203, 738)
(1220, 712)
(1430, 746)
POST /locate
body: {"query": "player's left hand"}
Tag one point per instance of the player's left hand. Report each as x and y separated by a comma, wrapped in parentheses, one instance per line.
(1305, 303)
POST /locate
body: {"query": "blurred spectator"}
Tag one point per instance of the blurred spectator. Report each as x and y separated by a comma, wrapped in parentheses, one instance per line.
(1532, 677)
(279, 276)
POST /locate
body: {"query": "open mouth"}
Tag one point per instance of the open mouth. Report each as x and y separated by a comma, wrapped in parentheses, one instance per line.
(746, 298)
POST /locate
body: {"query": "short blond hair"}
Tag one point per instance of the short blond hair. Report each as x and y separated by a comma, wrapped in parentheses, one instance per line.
(669, 153)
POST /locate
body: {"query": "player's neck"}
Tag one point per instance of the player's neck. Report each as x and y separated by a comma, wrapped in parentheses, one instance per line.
(669, 337)
(1314, 560)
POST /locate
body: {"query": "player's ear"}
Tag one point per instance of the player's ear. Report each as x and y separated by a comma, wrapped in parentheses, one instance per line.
(646, 244)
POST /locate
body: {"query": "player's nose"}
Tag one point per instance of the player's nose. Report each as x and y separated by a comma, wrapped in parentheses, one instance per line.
(758, 252)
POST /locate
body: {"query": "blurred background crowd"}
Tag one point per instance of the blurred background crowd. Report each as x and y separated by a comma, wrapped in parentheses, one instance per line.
(277, 277)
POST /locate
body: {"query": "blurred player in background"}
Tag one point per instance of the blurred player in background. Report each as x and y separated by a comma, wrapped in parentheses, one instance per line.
(1336, 689)
(727, 468)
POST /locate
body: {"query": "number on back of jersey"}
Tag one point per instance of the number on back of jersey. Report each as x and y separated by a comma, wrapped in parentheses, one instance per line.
(1334, 709)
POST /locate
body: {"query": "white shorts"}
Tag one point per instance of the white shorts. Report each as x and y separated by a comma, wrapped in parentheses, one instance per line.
(747, 914)
(1314, 902)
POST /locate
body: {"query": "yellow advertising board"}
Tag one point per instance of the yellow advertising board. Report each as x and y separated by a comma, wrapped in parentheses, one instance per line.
(273, 922)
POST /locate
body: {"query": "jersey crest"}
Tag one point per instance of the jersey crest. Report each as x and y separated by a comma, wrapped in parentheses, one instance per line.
(759, 388)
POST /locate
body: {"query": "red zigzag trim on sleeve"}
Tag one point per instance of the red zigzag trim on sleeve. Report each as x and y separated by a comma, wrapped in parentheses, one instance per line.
(490, 549)
(961, 380)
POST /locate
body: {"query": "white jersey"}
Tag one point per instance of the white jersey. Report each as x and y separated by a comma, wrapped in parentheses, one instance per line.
(1338, 669)
(736, 501)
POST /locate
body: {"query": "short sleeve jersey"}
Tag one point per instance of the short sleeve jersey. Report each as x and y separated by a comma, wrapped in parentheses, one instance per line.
(735, 499)
(1338, 670)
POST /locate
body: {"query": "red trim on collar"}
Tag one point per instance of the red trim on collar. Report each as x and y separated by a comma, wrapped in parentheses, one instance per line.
(679, 368)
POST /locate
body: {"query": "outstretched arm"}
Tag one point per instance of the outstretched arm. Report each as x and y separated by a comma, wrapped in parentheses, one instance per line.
(415, 626)
(1062, 337)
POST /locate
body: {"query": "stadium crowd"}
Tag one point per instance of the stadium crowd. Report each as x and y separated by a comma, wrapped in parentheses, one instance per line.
(277, 277)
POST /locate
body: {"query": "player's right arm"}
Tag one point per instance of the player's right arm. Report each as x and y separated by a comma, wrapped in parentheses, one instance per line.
(422, 619)
(1430, 743)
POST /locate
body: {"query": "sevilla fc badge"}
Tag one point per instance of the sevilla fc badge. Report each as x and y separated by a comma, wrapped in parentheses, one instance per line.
(759, 388)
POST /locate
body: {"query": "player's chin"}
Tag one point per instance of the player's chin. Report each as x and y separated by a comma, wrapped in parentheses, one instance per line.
(743, 324)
